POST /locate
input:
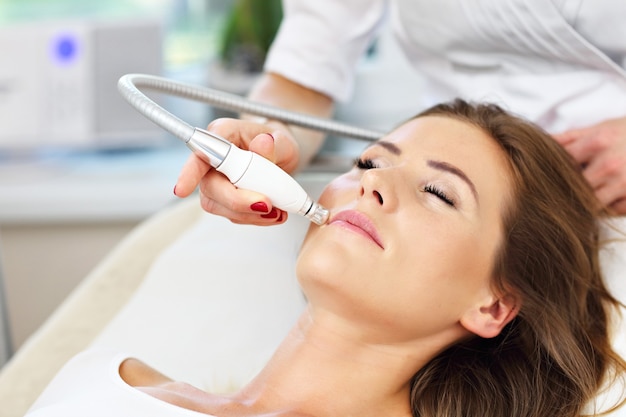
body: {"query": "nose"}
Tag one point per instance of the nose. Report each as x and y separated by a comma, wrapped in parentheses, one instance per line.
(377, 187)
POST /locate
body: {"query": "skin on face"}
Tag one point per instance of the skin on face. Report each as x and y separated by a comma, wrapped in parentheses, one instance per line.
(426, 207)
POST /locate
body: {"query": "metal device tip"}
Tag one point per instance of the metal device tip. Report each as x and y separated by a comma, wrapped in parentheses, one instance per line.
(318, 214)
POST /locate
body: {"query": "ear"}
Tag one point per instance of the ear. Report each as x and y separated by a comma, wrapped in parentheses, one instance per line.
(488, 318)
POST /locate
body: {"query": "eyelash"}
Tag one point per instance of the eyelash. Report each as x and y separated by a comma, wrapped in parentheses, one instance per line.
(364, 164)
(429, 188)
(361, 163)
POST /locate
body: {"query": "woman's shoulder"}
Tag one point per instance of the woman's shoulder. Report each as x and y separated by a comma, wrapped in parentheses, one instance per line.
(90, 384)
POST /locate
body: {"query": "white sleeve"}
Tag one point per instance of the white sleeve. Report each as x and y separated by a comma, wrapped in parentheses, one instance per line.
(320, 42)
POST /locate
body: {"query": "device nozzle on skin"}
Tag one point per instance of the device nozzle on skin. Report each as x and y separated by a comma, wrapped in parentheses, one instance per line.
(317, 214)
(250, 171)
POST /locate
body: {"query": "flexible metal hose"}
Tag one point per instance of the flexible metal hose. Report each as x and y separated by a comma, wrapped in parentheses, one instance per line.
(131, 84)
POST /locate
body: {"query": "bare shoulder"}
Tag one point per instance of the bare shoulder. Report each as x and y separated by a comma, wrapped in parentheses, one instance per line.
(137, 374)
(150, 381)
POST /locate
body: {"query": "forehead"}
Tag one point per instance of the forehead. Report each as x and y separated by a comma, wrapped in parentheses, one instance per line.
(455, 138)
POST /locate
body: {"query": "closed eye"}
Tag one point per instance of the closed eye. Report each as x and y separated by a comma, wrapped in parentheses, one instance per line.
(361, 163)
(439, 193)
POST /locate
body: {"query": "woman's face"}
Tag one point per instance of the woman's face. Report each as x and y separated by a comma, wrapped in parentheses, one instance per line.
(413, 232)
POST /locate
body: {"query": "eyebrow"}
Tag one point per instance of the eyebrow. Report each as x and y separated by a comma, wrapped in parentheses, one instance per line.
(391, 147)
(444, 166)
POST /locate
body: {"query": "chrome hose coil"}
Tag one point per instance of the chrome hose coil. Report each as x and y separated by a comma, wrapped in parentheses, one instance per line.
(130, 87)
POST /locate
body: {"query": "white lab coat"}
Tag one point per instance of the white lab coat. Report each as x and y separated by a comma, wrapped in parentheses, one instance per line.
(559, 63)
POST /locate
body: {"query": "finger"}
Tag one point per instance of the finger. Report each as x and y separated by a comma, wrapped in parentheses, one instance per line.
(608, 194)
(582, 148)
(565, 138)
(607, 167)
(596, 173)
(278, 148)
(218, 196)
(273, 217)
(612, 193)
(286, 150)
(271, 140)
(216, 187)
(612, 182)
(190, 176)
(264, 145)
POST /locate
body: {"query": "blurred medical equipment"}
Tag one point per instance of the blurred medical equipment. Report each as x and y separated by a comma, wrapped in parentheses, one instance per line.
(56, 83)
(243, 168)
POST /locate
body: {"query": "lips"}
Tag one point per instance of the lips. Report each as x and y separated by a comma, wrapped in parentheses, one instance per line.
(358, 223)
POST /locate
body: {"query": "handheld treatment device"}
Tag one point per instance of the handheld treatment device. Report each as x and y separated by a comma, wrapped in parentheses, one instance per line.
(243, 168)
(251, 171)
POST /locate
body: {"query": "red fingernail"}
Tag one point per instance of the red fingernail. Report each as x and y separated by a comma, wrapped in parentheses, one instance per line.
(271, 215)
(175, 191)
(280, 218)
(260, 207)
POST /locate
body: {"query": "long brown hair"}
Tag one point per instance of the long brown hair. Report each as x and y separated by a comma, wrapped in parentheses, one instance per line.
(554, 356)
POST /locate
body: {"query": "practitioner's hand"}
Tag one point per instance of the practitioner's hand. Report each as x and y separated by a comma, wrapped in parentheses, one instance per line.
(217, 195)
(601, 150)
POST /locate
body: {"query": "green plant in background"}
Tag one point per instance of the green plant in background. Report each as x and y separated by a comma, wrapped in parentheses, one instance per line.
(248, 33)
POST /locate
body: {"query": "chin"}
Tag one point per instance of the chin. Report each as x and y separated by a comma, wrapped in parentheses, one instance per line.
(323, 262)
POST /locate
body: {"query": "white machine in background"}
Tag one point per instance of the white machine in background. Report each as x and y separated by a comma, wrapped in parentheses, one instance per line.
(58, 78)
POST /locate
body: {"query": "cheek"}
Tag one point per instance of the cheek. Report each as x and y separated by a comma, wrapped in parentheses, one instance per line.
(446, 258)
(340, 191)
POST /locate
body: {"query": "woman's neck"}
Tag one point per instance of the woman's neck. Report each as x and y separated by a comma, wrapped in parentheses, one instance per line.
(325, 368)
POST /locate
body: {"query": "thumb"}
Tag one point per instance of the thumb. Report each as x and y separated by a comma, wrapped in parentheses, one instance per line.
(264, 145)
(277, 147)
